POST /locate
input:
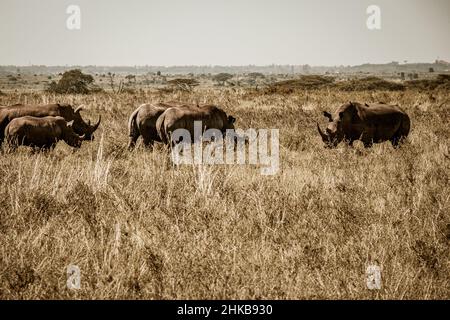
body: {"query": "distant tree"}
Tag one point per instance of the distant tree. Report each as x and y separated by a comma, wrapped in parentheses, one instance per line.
(183, 84)
(73, 82)
(443, 77)
(255, 75)
(130, 77)
(158, 73)
(431, 70)
(221, 78)
(112, 83)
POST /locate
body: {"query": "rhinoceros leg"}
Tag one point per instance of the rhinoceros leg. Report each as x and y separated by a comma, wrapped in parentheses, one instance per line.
(132, 142)
(402, 132)
(11, 145)
(368, 144)
(148, 143)
(397, 141)
(149, 136)
(350, 142)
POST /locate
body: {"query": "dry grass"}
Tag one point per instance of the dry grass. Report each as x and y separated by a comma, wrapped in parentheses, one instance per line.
(370, 84)
(139, 228)
(303, 82)
(441, 82)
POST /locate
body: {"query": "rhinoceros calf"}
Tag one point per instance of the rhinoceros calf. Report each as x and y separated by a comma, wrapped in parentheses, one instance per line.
(41, 132)
(142, 121)
(372, 123)
(175, 118)
(9, 113)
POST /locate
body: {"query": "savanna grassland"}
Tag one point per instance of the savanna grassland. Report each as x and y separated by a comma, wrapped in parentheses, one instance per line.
(138, 227)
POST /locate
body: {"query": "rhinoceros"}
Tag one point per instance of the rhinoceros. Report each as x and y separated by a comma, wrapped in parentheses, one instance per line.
(142, 121)
(175, 118)
(370, 124)
(41, 132)
(66, 111)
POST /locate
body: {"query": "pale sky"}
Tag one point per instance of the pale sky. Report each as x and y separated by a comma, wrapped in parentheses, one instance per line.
(222, 32)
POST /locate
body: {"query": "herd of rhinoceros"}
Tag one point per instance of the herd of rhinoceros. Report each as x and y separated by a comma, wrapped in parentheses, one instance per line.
(42, 126)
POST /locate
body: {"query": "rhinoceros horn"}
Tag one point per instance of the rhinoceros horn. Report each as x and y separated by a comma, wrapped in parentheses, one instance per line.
(78, 109)
(95, 127)
(323, 135)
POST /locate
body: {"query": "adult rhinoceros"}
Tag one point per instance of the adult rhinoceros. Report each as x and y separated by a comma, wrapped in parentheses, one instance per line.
(142, 121)
(372, 123)
(211, 117)
(56, 110)
(42, 132)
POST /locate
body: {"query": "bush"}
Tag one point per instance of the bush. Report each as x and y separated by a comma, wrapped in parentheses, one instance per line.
(73, 82)
(441, 82)
(183, 84)
(443, 77)
(255, 75)
(221, 78)
(304, 82)
(369, 83)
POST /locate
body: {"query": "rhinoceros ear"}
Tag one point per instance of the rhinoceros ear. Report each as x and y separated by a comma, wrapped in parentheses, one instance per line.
(341, 114)
(328, 115)
(231, 119)
(70, 124)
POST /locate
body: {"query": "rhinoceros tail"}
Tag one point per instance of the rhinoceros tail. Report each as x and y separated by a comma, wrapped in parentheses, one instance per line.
(161, 129)
(3, 124)
(402, 132)
(133, 130)
(405, 126)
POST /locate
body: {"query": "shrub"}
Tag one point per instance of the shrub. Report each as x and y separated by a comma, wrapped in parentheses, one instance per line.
(255, 75)
(183, 84)
(371, 84)
(221, 78)
(304, 82)
(73, 82)
(442, 81)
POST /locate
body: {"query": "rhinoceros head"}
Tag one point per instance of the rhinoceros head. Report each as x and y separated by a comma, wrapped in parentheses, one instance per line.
(72, 138)
(230, 122)
(81, 127)
(334, 132)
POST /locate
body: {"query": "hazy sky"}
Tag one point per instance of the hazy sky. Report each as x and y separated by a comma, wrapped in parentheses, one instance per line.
(222, 32)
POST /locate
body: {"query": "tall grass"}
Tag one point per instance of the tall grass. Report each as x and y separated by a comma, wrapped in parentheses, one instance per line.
(139, 227)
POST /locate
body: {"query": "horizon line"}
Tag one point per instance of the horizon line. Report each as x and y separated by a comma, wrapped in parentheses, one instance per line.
(223, 65)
